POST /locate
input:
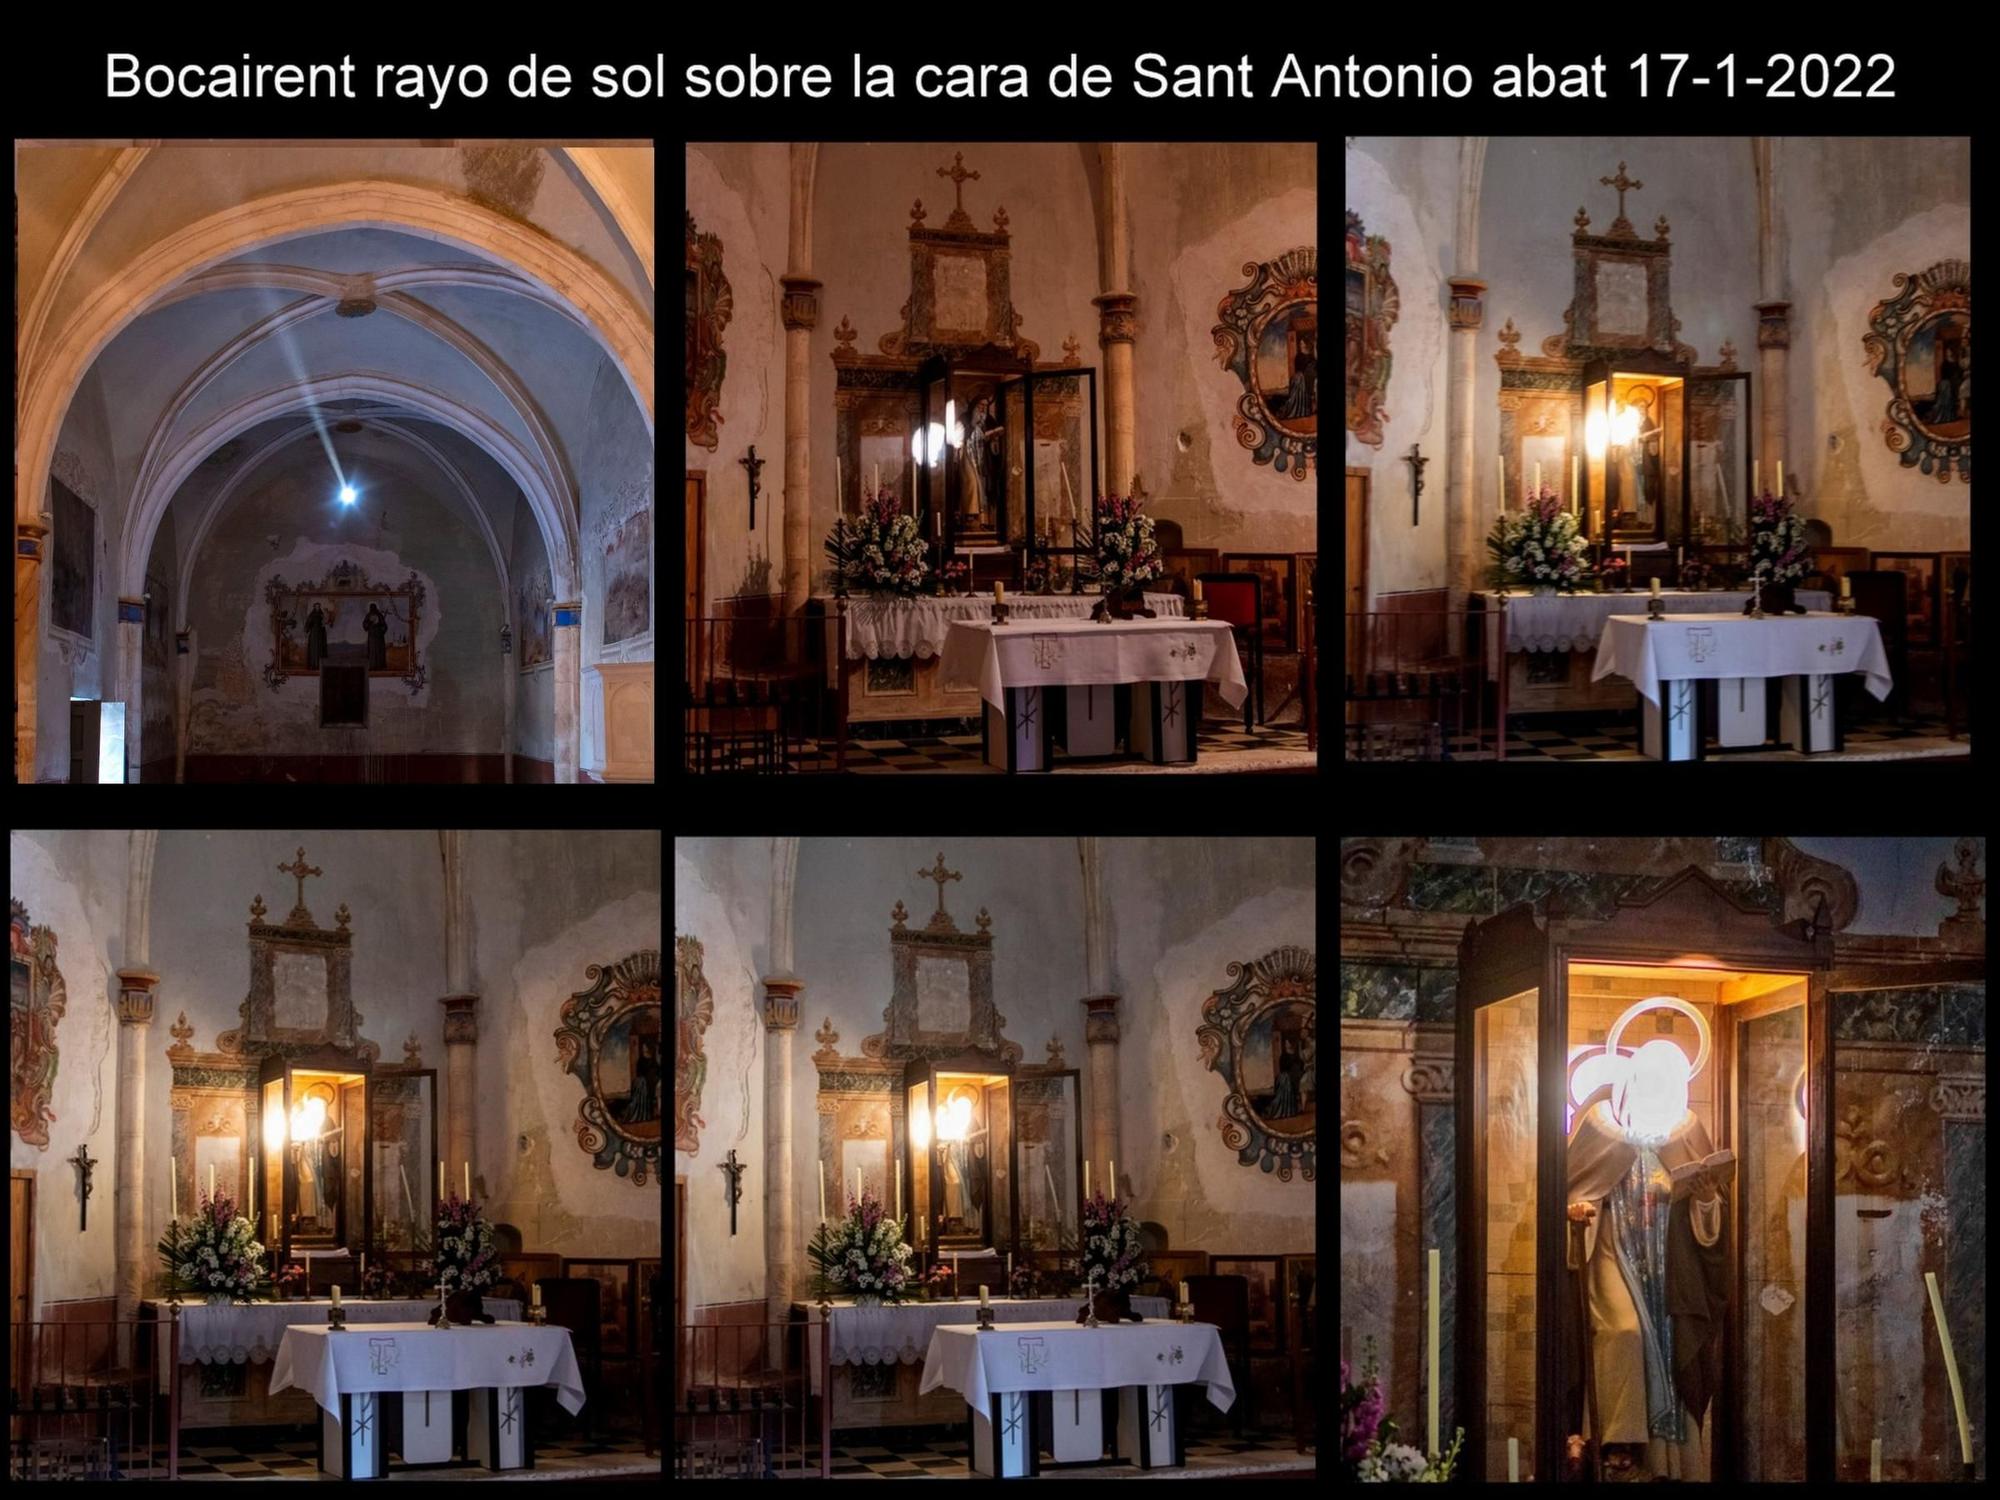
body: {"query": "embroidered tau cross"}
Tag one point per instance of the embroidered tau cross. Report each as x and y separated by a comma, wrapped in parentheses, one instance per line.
(381, 1355)
(1032, 1355)
(298, 870)
(959, 177)
(1701, 642)
(1623, 184)
(1048, 651)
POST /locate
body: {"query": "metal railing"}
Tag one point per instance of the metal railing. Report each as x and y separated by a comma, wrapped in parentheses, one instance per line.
(761, 693)
(1415, 684)
(742, 1404)
(77, 1405)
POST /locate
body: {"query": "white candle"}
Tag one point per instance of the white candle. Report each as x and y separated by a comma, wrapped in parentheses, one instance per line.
(1781, 476)
(1756, 476)
(1875, 1460)
(1434, 1352)
(1846, 587)
(1680, 557)
(174, 1189)
(999, 592)
(1500, 462)
(336, 1296)
(1575, 489)
(875, 486)
(535, 1295)
(899, 1188)
(982, 1295)
(440, 1176)
(1113, 1175)
(468, 1181)
(1951, 1366)
(1538, 477)
(364, 1273)
(1654, 584)
(250, 1198)
(1010, 1268)
(1086, 1179)
(211, 1182)
(822, 1192)
(1513, 1460)
(1197, 591)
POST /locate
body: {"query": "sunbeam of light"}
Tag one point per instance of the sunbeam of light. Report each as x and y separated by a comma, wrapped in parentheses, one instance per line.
(291, 353)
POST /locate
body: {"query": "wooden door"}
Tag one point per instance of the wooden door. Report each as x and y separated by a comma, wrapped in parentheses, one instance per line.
(1357, 558)
(21, 1266)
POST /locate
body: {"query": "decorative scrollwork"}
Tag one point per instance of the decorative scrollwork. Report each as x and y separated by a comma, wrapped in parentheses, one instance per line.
(1268, 338)
(610, 1036)
(1920, 343)
(40, 999)
(1272, 1006)
(707, 316)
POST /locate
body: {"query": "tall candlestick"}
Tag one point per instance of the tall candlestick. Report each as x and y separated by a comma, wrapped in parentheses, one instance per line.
(838, 484)
(250, 1197)
(440, 1176)
(822, 1192)
(876, 485)
(211, 1182)
(1113, 1175)
(899, 1188)
(1756, 476)
(857, 1186)
(1434, 1449)
(364, 1272)
(1513, 1460)
(1010, 1268)
(1875, 1460)
(1951, 1367)
(1538, 478)
(1500, 463)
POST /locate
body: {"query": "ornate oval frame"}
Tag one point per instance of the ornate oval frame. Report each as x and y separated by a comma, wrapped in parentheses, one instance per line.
(1276, 286)
(1282, 977)
(39, 992)
(1945, 288)
(630, 985)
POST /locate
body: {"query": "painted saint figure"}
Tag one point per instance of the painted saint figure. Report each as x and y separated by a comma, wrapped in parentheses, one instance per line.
(973, 457)
(1301, 398)
(376, 624)
(1285, 1094)
(315, 638)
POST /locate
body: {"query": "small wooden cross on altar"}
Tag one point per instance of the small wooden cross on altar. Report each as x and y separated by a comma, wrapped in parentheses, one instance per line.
(298, 870)
(755, 466)
(1416, 461)
(940, 874)
(1621, 225)
(735, 1172)
(959, 177)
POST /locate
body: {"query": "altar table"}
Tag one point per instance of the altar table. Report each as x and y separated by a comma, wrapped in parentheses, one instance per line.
(1575, 622)
(999, 1370)
(347, 1371)
(902, 1333)
(249, 1332)
(917, 627)
(1803, 653)
(1165, 660)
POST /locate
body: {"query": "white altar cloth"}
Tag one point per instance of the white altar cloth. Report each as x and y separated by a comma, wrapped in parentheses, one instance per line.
(250, 1332)
(902, 1334)
(416, 1357)
(1575, 622)
(917, 627)
(1734, 645)
(1061, 652)
(1070, 1357)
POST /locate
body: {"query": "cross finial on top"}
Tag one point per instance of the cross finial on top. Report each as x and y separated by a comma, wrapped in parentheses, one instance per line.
(940, 874)
(1623, 184)
(959, 177)
(298, 870)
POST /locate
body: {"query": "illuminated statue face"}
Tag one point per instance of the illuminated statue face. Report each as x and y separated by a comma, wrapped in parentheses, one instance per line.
(1649, 1086)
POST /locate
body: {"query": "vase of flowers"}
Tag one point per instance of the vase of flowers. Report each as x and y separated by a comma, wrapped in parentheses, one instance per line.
(1697, 573)
(1538, 547)
(940, 1282)
(1121, 553)
(863, 1254)
(289, 1282)
(1111, 1248)
(1779, 557)
(466, 1261)
(955, 577)
(881, 550)
(1024, 1282)
(1369, 1451)
(214, 1254)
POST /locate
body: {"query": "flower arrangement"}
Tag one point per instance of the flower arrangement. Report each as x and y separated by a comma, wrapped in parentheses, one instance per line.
(1538, 546)
(380, 1281)
(1111, 1245)
(1778, 552)
(864, 1253)
(1024, 1282)
(883, 550)
(955, 576)
(216, 1253)
(1122, 550)
(466, 1259)
(1035, 577)
(1368, 1449)
(1611, 573)
(291, 1280)
(940, 1280)
(1696, 573)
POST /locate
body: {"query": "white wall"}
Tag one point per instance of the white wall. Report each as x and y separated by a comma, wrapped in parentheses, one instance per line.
(1897, 881)
(74, 884)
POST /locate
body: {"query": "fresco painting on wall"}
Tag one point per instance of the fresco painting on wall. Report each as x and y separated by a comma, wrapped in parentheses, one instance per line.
(39, 1000)
(708, 309)
(71, 579)
(1268, 338)
(532, 602)
(1260, 1035)
(1920, 342)
(627, 571)
(312, 622)
(1371, 312)
(610, 1039)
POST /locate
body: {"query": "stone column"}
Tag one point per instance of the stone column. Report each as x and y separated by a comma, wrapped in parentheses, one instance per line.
(135, 1015)
(28, 537)
(1463, 532)
(800, 314)
(184, 660)
(507, 686)
(568, 633)
(1774, 340)
(1116, 319)
(461, 1032)
(131, 646)
(781, 1019)
(1100, 1031)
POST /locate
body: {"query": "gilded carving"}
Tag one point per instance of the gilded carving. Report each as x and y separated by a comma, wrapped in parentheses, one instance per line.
(1260, 1035)
(826, 1036)
(39, 998)
(1430, 1079)
(1964, 885)
(1055, 1050)
(1810, 885)
(708, 312)
(1920, 343)
(1268, 338)
(1960, 1097)
(183, 1035)
(694, 1010)
(844, 339)
(610, 1039)
(1869, 1162)
(1358, 1148)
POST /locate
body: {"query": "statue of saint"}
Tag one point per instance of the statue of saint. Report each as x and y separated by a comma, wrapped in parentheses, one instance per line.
(977, 461)
(315, 638)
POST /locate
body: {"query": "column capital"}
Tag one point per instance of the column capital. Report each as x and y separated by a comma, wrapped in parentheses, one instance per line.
(461, 1018)
(1467, 311)
(135, 996)
(1117, 317)
(1100, 1020)
(800, 307)
(781, 1002)
(28, 537)
(1774, 325)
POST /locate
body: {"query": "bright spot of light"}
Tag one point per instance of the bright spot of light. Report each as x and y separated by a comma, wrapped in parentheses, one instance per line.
(347, 494)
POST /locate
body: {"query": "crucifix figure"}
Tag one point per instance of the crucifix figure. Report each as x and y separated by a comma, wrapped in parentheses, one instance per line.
(1416, 461)
(754, 465)
(1621, 225)
(298, 870)
(735, 1172)
(940, 874)
(959, 177)
(83, 1161)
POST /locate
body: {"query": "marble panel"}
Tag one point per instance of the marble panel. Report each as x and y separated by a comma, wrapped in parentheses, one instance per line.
(1437, 994)
(1440, 1147)
(1941, 1014)
(1964, 1279)
(1450, 888)
(1378, 991)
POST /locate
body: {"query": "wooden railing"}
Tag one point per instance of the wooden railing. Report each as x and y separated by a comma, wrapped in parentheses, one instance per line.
(763, 693)
(83, 1407)
(742, 1407)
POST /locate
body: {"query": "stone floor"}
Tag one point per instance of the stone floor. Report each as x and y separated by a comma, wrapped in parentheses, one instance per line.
(1208, 1456)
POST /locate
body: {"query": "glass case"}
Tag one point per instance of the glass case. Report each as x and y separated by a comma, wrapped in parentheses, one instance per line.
(405, 1145)
(961, 1156)
(1715, 510)
(1645, 1219)
(1635, 447)
(313, 1152)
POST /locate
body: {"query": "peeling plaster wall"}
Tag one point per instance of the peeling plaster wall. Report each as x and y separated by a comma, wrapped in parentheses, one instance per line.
(1184, 909)
(614, 474)
(71, 667)
(1406, 191)
(545, 906)
(1198, 213)
(736, 191)
(1857, 212)
(281, 527)
(74, 884)
(722, 896)
(1897, 881)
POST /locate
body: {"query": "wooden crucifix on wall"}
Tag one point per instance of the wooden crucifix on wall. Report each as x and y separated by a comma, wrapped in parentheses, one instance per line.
(753, 465)
(735, 1171)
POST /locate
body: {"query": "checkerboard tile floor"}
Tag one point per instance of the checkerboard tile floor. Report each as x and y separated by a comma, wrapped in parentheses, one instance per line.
(960, 752)
(1594, 737)
(260, 1458)
(946, 1459)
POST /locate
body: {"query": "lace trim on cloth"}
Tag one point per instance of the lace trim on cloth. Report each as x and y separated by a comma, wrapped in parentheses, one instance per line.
(878, 628)
(1586, 632)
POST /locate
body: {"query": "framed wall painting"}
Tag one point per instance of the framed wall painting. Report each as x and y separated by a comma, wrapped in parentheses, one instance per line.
(1921, 569)
(72, 576)
(1181, 564)
(1278, 582)
(1267, 1309)
(1172, 1267)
